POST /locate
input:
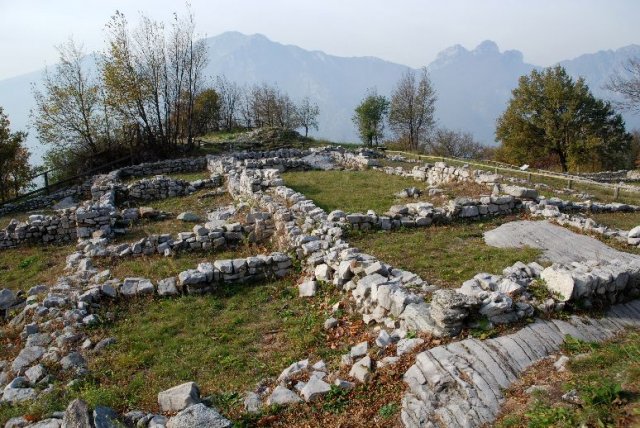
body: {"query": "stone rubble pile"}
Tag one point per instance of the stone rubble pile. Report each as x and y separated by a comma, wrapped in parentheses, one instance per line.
(58, 229)
(45, 201)
(554, 210)
(169, 166)
(609, 282)
(421, 214)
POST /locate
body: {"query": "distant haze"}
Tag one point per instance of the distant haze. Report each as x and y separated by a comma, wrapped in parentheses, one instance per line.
(410, 32)
(473, 85)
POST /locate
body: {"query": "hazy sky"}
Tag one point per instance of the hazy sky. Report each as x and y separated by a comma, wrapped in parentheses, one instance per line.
(411, 32)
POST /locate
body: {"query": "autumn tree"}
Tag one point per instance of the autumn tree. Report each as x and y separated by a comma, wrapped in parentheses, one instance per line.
(69, 112)
(369, 118)
(307, 115)
(450, 143)
(206, 112)
(232, 100)
(152, 76)
(411, 112)
(15, 171)
(549, 114)
(626, 82)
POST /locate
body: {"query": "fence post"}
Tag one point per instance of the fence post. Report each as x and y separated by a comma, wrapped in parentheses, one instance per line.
(46, 181)
(529, 177)
(616, 192)
(569, 183)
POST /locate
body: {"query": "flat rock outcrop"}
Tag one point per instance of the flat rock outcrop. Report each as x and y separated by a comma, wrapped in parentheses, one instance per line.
(461, 384)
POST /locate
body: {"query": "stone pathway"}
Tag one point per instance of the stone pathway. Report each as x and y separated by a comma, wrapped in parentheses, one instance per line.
(559, 245)
(462, 384)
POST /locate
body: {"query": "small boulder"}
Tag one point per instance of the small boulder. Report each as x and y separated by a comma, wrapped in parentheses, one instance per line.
(307, 289)
(77, 415)
(105, 417)
(314, 389)
(179, 397)
(199, 415)
(330, 323)
(188, 216)
(282, 395)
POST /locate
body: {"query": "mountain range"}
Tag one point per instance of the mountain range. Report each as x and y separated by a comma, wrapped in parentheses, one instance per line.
(473, 86)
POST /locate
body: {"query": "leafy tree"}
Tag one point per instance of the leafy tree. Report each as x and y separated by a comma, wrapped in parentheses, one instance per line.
(69, 110)
(369, 118)
(307, 114)
(412, 108)
(15, 171)
(626, 82)
(152, 76)
(551, 115)
(446, 142)
(206, 112)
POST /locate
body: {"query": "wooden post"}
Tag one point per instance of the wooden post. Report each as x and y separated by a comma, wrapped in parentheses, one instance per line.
(616, 192)
(495, 169)
(569, 183)
(46, 181)
(529, 177)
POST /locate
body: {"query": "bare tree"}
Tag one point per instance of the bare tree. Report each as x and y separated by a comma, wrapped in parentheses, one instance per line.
(308, 112)
(286, 112)
(626, 82)
(446, 142)
(231, 96)
(412, 108)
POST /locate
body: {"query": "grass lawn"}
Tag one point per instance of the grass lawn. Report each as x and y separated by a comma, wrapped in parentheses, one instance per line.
(359, 191)
(350, 191)
(226, 342)
(444, 255)
(606, 377)
(624, 221)
(23, 267)
(195, 202)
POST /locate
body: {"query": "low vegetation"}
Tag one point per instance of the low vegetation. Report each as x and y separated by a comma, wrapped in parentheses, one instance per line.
(445, 255)
(199, 203)
(606, 378)
(620, 220)
(24, 267)
(359, 191)
(217, 339)
(350, 191)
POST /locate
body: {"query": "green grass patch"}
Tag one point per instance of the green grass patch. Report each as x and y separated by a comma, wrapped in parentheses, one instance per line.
(606, 377)
(350, 191)
(624, 221)
(226, 342)
(198, 202)
(444, 255)
(23, 267)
